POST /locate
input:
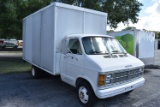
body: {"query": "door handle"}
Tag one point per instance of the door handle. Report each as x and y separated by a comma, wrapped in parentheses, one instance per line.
(68, 57)
(72, 57)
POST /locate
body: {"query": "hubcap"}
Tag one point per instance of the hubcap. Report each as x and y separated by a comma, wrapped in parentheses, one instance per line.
(83, 96)
(33, 72)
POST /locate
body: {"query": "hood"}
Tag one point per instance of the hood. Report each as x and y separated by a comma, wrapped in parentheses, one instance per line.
(118, 63)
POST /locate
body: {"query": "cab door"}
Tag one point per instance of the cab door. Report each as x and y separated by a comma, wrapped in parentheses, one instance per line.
(73, 61)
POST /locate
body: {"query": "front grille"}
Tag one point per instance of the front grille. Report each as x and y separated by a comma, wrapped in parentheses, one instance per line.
(125, 75)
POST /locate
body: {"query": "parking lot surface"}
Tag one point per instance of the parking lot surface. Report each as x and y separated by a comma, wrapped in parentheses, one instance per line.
(21, 90)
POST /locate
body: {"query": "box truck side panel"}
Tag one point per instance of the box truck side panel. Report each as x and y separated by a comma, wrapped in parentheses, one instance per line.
(95, 24)
(76, 21)
(146, 46)
(23, 37)
(47, 39)
(45, 30)
(28, 39)
(36, 50)
(68, 22)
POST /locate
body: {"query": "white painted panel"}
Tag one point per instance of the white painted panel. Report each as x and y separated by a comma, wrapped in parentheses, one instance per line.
(95, 24)
(28, 39)
(47, 41)
(48, 15)
(24, 38)
(146, 44)
(68, 22)
(57, 63)
(36, 39)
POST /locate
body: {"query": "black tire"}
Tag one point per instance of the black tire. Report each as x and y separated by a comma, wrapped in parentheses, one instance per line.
(81, 88)
(36, 72)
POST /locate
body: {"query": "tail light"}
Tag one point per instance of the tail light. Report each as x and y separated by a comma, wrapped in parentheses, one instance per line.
(1, 41)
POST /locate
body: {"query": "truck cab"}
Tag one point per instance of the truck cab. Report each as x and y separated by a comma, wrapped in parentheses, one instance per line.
(99, 66)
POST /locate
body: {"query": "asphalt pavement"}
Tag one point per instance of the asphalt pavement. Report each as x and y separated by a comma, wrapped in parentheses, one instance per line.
(21, 90)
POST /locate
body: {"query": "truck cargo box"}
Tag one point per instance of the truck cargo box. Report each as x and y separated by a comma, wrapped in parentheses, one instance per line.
(44, 31)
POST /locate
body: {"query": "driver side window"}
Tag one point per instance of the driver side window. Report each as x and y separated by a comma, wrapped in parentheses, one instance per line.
(74, 46)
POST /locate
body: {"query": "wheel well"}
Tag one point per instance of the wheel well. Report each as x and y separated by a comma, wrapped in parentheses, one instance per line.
(79, 80)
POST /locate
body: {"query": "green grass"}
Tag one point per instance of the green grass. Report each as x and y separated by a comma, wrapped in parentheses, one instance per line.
(11, 65)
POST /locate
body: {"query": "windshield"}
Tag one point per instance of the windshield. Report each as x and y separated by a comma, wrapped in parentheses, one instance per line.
(101, 45)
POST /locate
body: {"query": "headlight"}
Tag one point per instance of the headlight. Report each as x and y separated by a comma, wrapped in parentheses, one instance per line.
(108, 81)
(108, 76)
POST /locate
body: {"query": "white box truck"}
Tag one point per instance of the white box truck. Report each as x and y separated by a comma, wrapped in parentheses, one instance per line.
(139, 43)
(70, 41)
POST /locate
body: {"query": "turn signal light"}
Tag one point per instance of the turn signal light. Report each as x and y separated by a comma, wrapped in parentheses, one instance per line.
(101, 80)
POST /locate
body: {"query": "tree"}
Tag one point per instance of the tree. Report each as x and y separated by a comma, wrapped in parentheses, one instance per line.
(157, 35)
(109, 31)
(118, 10)
(129, 28)
(127, 38)
(12, 12)
(122, 11)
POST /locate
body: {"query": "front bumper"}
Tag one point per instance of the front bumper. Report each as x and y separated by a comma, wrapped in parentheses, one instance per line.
(106, 93)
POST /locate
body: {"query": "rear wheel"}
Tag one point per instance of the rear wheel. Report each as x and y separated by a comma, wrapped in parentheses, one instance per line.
(36, 72)
(85, 94)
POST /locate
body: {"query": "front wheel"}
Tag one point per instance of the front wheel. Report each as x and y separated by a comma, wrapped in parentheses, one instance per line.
(85, 94)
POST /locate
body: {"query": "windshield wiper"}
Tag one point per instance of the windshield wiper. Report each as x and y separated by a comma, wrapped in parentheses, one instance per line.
(123, 53)
(118, 52)
(97, 52)
(115, 52)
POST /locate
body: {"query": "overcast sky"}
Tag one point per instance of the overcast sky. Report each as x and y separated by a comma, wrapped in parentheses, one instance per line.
(149, 16)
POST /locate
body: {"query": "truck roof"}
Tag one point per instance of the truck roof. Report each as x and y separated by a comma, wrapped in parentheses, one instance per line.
(57, 4)
(85, 35)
